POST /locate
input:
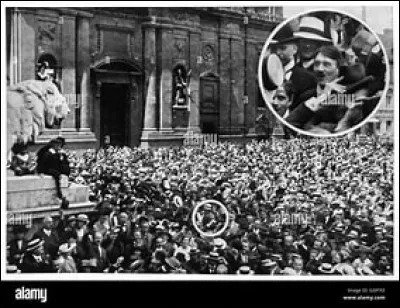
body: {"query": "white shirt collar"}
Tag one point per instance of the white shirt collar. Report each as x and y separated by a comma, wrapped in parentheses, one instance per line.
(289, 69)
(308, 63)
(38, 259)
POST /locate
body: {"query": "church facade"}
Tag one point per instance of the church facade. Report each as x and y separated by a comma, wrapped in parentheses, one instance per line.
(145, 76)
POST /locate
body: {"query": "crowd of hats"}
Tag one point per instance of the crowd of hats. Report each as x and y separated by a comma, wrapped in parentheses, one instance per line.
(343, 185)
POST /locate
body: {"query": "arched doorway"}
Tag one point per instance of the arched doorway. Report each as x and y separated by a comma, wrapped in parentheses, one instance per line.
(209, 103)
(117, 105)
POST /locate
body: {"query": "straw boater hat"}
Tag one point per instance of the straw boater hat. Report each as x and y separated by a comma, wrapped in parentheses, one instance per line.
(268, 263)
(82, 217)
(245, 270)
(12, 269)
(284, 36)
(220, 243)
(312, 28)
(326, 268)
(34, 244)
(345, 269)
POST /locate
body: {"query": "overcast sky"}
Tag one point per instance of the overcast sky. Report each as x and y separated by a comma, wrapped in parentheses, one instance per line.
(377, 17)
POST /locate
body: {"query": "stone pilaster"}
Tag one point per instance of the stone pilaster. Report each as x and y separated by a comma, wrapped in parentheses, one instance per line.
(252, 86)
(194, 117)
(237, 83)
(83, 72)
(225, 85)
(166, 80)
(69, 51)
(150, 111)
(16, 46)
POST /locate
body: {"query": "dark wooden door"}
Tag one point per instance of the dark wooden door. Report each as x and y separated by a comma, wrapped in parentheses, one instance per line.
(115, 112)
(209, 105)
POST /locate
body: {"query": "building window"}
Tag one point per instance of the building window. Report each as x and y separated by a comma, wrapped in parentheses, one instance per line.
(388, 125)
(47, 69)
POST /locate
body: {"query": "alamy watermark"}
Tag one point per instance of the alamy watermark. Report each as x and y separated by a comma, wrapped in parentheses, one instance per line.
(31, 294)
(284, 218)
(19, 219)
(191, 139)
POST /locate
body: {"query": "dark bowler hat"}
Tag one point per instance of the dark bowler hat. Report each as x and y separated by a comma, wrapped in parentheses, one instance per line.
(284, 36)
(58, 140)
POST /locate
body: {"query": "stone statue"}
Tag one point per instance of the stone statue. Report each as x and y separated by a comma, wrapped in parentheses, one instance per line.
(182, 89)
(33, 105)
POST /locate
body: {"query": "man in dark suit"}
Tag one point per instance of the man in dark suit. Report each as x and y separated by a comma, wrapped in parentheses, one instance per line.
(49, 236)
(316, 111)
(100, 254)
(17, 245)
(34, 259)
(285, 45)
(52, 160)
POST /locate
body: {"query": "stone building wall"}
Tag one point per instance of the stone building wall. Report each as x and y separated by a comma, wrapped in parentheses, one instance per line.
(92, 45)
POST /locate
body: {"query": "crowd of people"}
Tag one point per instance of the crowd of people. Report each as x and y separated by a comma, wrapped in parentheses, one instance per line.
(145, 199)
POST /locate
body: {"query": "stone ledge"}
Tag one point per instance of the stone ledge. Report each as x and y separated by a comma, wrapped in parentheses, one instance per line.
(24, 199)
(53, 210)
(33, 182)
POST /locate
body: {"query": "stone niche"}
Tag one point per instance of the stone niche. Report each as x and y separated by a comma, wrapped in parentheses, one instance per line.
(35, 194)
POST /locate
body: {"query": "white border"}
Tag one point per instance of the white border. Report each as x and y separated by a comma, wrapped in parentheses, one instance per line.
(194, 277)
(269, 104)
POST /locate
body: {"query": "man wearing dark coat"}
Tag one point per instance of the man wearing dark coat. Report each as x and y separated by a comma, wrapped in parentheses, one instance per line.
(34, 260)
(17, 246)
(51, 160)
(50, 237)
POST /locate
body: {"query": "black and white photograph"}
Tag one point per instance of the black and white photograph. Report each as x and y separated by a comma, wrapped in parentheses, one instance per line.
(189, 141)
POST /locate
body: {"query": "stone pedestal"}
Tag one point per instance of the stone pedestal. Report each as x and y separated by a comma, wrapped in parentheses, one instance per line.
(37, 194)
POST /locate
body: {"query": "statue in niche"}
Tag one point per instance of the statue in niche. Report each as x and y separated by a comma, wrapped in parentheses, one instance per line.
(181, 87)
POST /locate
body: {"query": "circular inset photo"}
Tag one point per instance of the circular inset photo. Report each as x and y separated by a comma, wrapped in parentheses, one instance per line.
(323, 73)
(210, 218)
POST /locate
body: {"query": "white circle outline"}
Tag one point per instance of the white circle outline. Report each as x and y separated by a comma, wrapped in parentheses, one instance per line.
(283, 121)
(226, 220)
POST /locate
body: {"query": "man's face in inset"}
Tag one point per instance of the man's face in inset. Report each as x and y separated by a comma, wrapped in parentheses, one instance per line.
(308, 49)
(281, 97)
(326, 69)
(286, 52)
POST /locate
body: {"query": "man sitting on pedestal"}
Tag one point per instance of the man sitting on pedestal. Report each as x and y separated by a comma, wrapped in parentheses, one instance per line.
(52, 160)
